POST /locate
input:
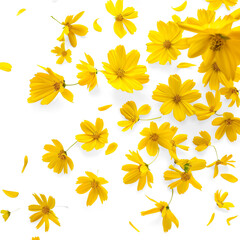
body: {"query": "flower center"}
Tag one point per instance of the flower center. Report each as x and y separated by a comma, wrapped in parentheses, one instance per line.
(218, 162)
(215, 67)
(167, 44)
(234, 90)
(173, 143)
(143, 169)
(56, 86)
(94, 184)
(185, 176)
(212, 109)
(120, 72)
(96, 135)
(62, 155)
(64, 53)
(228, 122)
(217, 41)
(177, 99)
(119, 17)
(154, 137)
(45, 210)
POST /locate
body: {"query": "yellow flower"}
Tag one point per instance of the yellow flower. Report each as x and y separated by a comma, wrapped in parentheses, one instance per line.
(94, 137)
(231, 92)
(139, 172)
(131, 113)
(88, 74)
(184, 178)
(155, 136)
(95, 184)
(122, 71)
(63, 54)
(224, 161)
(57, 157)
(216, 4)
(121, 18)
(202, 142)
(227, 124)
(43, 211)
(72, 29)
(219, 199)
(176, 97)
(165, 43)
(204, 112)
(25, 163)
(11, 194)
(167, 215)
(5, 66)
(46, 86)
(5, 214)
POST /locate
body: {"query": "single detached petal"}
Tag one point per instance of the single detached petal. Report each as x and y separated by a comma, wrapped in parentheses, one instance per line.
(111, 148)
(211, 219)
(11, 194)
(133, 226)
(21, 11)
(25, 163)
(181, 7)
(229, 177)
(185, 65)
(96, 26)
(229, 219)
(103, 108)
(5, 66)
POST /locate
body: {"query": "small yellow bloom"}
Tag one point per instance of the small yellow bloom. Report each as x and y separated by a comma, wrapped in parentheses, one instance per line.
(231, 92)
(227, 124)
(95, 184)
(11, 194)
(96, 26)
(155, 136)
(229, 177)
(25, 163)
(5, 66)
(21, 11)
(202, 142)
(63, 54)
(131, 113)
(5, 214)
(103, 108)
(133, 226)
(219, 199)
(167, 215)
(94, 137)
(139, 172)
(43, 211)
(46, 86)
(216, 4)
(181, 7)
(111, 148)
(121, 17)
(230, 219)
(176, 97)
(211, 219)
(123, 71)
(185, 65)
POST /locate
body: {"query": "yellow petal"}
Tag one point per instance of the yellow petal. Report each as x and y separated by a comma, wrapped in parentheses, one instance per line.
(211, 219)
(229, 219)
(5, 66)
(21, 11)
(181, 7)
(185, 65)
(96, 26)
(5, 214)
(111, 148)
(133, 226)
(11, 193)
(176, 18)
(229, 177)
(103, 108)
(25, 163)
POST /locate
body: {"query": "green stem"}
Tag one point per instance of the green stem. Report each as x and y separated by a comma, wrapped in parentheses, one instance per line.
(71, 146)
(171, 198)
(215, 151)
(71, 84)
(149, 119)
(220, 115)
(154, 158)
(55, 19)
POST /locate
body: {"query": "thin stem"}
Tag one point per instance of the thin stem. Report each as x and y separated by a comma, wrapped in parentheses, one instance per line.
(149, 119)
(154, 158)
(215, 151)
(220, 115)
(171, 198)
(15, 210)
(71, 146)
(55, 19)
(71, 84)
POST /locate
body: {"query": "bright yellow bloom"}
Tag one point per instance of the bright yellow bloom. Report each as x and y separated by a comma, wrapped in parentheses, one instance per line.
(25, 163)
(63, 54)
(216, 4)
(57, 157)
(227, 124)
(131, 113)
(219, 199)
(111, 148)
(165, 43)
(43, 211)
(11, 194)
(204, 112)
(229, 177)
(122, 71)
(224, 161)
(231, 92)
(176, 97)
(211, 219)
(46, 86)
(181, 7)
(94, 137)
(121, 17)
(103, 108)
(5, 214)
(230, 219)
(139, 172)
(155, 136)
(72, 29)
(202, 142)
(5, 66)
(167, 215)
(95, 184)
(96, 26)
(88, 74)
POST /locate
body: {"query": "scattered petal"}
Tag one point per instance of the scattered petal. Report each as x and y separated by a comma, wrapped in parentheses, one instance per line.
(229, 177)
(96, 26)
(230, 219)
(211, 219)
(103, 108)
(21, 11)
(176, 18)
(185, 65)
(111, 148)
(133, 226)
(25, 163)
(11, 194)
(5, 214)
(5, 66)
(181, 7)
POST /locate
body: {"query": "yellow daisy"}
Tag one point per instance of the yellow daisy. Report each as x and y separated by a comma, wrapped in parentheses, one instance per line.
(219, 199)
(176, 97)
(122, 71)
(231, 92)
(5, 214)
(63, 54)
(216, 4)
(202, 142)
(95, 184)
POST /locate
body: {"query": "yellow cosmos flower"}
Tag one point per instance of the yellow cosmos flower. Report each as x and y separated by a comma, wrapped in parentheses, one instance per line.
(227, 124)
(25, 163)
(225, 160)
(139, 172)
(216, 4)
(204, 112)
(165, 43)
(95, 184)
(94, 137)
(231, 92)
(132, 114)
(57, 157)
(155, 136)
(122, 71)
(46, 86)
(176, 97)
(11, 194)
(88, 74)
(5, 214)
(167, 215)
(72, 29)
(202, 142)
(5, 67)
(63, 54)
(121, 18)
(219, 199)
(43, 211)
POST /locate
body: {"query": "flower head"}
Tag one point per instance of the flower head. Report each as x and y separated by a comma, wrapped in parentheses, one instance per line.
(95, 184)
(121, 17)
(5, 214)
(216, 4)
(122, 71)
(43, 211)
(219, 199)
(63, 54)
(202, 142)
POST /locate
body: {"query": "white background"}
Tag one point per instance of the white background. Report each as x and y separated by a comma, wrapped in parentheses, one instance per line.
(26, 41)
